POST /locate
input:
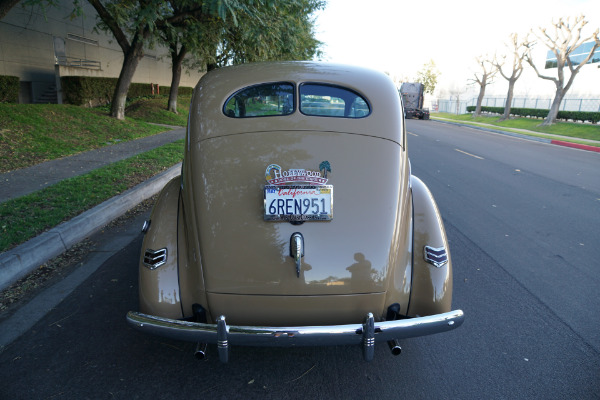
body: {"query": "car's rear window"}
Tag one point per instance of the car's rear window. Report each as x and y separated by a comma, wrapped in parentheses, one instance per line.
(278, 98)
(332, 101)
(267, 99)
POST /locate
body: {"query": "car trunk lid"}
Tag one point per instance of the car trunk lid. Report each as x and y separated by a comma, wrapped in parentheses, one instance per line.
(242, 254)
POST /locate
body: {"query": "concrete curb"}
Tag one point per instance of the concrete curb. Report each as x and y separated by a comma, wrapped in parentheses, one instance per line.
(481, 128)
(18, 262)
(576, 145)
(526, 137)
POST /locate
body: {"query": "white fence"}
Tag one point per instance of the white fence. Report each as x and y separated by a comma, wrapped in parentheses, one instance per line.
(460, 107)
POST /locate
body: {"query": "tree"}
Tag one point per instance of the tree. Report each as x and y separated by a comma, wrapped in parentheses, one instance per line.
(6, 5)
(177, 51)
(190, 35)
(518, 50)
(324, 167)
(428, 76)
(132, 24)
(258, 31)
(565, 39)
(484, 78)
(135, 24)
(456, 91)
(282, 31)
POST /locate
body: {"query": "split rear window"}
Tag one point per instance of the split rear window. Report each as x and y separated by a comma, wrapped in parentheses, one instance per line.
(277, 99)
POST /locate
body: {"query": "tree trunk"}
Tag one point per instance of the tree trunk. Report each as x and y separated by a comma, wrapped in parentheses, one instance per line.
(6, 5)
(172, 106)
(177, 61)
(509, 99)
(482, 86)
(130, 63)
(551, 117)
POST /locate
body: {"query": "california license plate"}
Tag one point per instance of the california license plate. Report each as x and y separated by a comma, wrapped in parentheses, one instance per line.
(298, 203)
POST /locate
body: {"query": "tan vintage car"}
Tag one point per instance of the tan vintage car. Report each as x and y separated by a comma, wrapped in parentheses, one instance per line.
(247, 247)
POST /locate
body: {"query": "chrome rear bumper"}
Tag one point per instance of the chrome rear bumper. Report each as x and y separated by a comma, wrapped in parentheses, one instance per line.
(366, 334)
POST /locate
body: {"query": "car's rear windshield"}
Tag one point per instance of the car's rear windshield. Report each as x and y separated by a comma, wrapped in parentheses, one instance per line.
(316, 99)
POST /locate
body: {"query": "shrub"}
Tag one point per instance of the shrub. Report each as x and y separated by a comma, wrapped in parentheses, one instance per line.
(581, 116)
(81, 90)
(9, 89)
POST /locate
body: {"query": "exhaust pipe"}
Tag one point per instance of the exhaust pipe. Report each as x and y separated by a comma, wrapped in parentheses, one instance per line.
(200, 352)
(395, 347)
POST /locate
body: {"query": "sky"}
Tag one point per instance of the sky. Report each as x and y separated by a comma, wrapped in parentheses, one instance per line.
(399, 37)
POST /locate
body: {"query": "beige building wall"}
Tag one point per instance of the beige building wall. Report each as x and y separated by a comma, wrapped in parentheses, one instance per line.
(33, 41)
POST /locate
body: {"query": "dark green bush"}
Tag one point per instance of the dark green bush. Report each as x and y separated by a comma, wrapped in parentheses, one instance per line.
(582, 116)
(81, 90)
(9, 89)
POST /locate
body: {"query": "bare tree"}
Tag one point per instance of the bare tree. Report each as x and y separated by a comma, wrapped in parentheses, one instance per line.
(483, 78)
(565, 39)
(456, 91)
(519, 51)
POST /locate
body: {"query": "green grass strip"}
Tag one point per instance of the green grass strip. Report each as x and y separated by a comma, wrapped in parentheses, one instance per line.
(26, 217)
(567, 129)
(33, 133)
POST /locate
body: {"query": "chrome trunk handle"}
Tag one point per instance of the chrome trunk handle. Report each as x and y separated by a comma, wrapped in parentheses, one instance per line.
(297, 250)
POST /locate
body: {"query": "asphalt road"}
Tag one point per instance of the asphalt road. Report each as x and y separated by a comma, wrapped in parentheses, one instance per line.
(533, 208)
(520, 217)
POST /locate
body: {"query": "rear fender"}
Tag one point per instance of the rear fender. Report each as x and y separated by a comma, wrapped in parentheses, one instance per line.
(431, 291)
(159, 286)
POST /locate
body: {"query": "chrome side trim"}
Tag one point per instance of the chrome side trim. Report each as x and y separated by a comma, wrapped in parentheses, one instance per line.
(351, 334)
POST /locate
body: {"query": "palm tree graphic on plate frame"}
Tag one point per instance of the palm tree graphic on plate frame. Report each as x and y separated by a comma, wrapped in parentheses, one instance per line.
(325, 167)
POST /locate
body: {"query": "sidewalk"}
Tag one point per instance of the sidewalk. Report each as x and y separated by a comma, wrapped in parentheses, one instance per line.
(28, 180)
(23, 259)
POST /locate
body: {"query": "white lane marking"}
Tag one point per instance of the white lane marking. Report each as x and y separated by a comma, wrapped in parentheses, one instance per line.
(469, 154)
(410, 133)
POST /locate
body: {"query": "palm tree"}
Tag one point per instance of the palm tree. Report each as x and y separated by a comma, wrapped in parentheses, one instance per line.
(324, 167)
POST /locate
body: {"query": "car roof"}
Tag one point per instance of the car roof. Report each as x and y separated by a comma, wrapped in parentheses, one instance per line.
(215, 87)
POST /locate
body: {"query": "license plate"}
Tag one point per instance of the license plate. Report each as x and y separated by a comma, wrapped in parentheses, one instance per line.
(298, 203)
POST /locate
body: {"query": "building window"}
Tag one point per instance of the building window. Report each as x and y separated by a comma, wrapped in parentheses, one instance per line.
(576, 57)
